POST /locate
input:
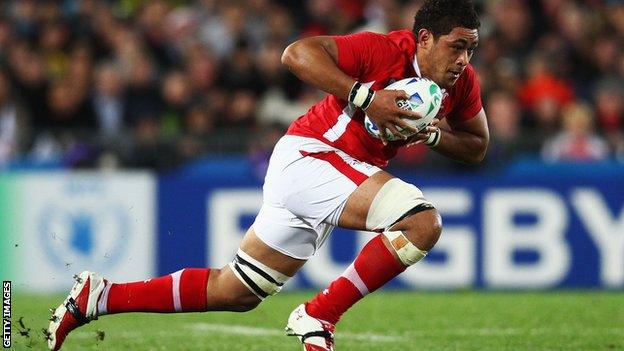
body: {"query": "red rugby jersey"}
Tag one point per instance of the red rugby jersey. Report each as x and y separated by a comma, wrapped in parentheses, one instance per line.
(377, 60)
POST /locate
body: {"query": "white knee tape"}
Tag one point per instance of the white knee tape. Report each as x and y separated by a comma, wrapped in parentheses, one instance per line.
(261, 280)
(408, 253)
(394, 199)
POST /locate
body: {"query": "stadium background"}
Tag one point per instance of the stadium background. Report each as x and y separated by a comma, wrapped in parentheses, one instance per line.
(126, 125)
(134, 136)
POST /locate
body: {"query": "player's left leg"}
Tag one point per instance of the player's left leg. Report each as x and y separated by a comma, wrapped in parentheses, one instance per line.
(383, 258)
(410, 227)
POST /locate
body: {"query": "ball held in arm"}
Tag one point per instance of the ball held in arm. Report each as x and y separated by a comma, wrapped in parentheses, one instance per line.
(425, 99)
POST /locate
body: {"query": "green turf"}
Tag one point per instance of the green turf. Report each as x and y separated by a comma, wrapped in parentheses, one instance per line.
(383, 321)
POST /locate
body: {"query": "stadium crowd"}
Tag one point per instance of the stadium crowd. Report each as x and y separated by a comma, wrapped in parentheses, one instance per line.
(155, 84)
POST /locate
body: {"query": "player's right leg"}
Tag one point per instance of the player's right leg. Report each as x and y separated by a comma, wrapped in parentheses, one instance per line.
(257, 272)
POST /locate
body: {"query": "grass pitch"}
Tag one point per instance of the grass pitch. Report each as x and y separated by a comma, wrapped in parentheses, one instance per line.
(579, 320)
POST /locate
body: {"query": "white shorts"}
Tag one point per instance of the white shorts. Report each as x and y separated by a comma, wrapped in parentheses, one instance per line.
(305, 190)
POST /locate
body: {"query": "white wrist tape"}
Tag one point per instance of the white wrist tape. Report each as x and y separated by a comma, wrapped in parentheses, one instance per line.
(361, 96)
(434, 138)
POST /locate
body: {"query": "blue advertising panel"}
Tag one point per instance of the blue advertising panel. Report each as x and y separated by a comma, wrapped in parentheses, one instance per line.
(520, 229)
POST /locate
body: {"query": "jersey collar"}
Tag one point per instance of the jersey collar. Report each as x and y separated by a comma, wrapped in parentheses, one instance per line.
(415, 65)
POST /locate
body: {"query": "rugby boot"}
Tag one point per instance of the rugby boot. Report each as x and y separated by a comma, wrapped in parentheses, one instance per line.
(79, 308)
(315, 334)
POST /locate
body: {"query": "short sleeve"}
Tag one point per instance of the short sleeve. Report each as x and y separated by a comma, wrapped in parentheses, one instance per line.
(360, 53)
(469, 103)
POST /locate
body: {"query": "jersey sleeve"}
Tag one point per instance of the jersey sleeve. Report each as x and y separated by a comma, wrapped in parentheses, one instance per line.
(360, 54)
(469, 103)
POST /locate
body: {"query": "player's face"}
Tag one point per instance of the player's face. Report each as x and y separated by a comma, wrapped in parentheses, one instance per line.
(448, 55)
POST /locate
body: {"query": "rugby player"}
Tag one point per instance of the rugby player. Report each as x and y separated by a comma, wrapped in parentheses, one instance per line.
(327, 171)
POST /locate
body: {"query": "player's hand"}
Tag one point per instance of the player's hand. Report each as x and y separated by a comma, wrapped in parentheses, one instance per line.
(423, 134)
(387, 115)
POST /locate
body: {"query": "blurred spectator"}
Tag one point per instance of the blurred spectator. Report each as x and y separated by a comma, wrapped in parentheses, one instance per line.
(382, 16)
(199, 125)
(223, 26)
(609, 100)
(275, 107)
(151, 19)
(108, 100)
(148, 149)
(200, 68)
(280, 26)
(177, 96)
(543, 94)
(13, 122)
(5, 37)
(142, 93)
(241, 110)
(513, 26)
(27, 71)
(67, 107)
(53, 39)
(505, 128)
(160, 82)
(23, 15)
(577, 141)
(240, 71)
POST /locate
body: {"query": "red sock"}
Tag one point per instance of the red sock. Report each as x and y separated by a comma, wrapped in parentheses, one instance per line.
(372, 268)
(182, 291)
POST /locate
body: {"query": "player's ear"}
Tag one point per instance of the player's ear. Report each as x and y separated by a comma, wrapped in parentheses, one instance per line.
(425, 38)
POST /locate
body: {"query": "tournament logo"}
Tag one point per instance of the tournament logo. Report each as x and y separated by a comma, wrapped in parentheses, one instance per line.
(371, 127)
(92, 233)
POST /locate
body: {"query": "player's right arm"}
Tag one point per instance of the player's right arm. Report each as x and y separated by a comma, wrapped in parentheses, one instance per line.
(315, 61)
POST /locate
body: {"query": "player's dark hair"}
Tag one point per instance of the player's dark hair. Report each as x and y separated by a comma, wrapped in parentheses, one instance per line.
(441, 16)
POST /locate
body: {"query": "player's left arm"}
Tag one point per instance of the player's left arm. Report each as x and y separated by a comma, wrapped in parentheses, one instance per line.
(466, 141)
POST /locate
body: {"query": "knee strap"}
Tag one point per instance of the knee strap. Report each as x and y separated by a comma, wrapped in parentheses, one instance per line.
(395, 200)
(260, 279)
(408, 253)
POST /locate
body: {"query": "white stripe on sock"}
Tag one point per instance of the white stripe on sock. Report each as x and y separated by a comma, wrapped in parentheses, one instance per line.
(352, 275)
(103, 301)
(175, 287)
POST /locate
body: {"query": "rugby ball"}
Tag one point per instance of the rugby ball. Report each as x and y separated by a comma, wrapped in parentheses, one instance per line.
(425, 99)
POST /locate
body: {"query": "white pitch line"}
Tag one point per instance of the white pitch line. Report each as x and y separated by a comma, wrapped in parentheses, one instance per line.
(239, 330)
(244, 330)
